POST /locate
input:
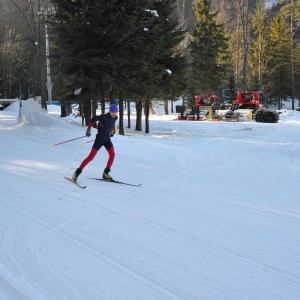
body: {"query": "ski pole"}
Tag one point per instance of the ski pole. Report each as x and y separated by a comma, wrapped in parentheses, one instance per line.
(68, 141)
(82, 143)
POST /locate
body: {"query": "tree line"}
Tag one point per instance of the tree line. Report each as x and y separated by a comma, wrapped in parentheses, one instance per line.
(135, 51)
(264, 47)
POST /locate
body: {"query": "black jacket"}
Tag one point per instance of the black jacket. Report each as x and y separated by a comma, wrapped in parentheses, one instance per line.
(106, 124)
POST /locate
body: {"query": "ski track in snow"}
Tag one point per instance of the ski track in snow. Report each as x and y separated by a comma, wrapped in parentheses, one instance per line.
(217, 216)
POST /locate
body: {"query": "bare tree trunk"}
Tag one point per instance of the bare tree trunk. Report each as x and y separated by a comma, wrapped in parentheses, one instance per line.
(128, 114)
(10, 85)
(121, 115)
(63, 108)
(292, 55)
(166, 107)
(237, 66)
(147, 125)
(244, 17)
(87, 112)
(139, 109)
(102, 101)
(153, 112)
(260, 67)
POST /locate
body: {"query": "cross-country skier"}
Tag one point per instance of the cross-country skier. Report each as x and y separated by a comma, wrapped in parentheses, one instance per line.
(106, 129)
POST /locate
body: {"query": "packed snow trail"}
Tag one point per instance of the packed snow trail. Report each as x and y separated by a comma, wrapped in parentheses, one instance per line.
(217, 216)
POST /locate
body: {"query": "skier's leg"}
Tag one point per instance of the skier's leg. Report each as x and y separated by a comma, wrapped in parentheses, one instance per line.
(97, 145)
(78, 171)
(89, 158)
(111, 152)
(111, 158)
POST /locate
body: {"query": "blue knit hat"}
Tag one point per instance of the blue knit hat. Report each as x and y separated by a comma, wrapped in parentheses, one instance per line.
(113, 107)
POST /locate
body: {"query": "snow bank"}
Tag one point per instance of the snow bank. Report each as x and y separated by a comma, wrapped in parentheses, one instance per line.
(14, 107)
(288, 116)
(33, 114)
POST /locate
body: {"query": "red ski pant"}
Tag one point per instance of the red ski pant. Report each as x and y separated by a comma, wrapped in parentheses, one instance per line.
(111, 152)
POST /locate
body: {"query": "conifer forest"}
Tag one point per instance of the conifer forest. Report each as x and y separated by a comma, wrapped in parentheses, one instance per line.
(95, 51)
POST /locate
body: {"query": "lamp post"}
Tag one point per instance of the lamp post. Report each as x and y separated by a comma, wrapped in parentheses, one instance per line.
(49, 82)
(44, 13)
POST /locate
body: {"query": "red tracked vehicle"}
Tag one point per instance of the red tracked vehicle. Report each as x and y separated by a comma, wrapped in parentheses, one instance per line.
(249, 100)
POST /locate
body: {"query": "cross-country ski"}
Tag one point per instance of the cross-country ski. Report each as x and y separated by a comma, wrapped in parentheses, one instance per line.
(115, 181)
(76, 183)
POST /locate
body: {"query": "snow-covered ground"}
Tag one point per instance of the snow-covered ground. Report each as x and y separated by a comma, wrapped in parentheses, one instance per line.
(216, 218)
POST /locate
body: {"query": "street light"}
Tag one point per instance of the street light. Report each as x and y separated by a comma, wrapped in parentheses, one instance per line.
(49, 82)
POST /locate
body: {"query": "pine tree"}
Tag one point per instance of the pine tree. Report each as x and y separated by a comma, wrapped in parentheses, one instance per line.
(170, 62)
(120, 48)
(291, 12)
(257, 60)
(278, 57)
(208, 50)
(297, 74)
(157, 62)
(96, 41)
(74, 52)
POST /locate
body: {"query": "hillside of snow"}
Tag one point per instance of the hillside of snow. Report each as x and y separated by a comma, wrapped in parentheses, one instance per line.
(217, 216)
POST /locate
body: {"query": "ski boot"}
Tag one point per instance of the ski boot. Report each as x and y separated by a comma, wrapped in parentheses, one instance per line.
(76, 174)
(105, 175)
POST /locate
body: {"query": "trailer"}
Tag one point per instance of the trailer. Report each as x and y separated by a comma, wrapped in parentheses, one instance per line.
(206, 100)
